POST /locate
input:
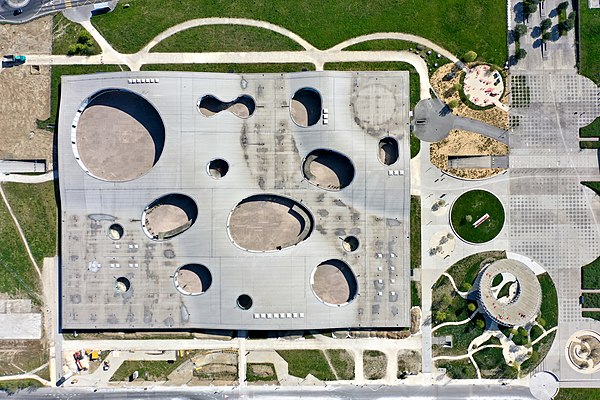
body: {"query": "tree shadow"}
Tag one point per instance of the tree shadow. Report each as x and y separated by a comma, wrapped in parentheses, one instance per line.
(555, 33)
(511, 36)
(519, 11)
(536, 32)
(445, 111)
(553, 13)
(537, 43)
(512, 61)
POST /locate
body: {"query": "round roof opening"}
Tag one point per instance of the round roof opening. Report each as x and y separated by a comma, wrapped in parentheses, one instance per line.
(217, 168)
(350, 243)
(122, 285)
(328, 169)
(334, 283)
(119, 136)
(192, 279)
(242, 107)
(388, 150)
(306, 107)
(244, 302)
(169, 216)
(116, 231)
(269, 222)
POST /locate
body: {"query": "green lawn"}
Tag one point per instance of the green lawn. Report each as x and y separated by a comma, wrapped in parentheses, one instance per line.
(225, 38)
(549, 309)
(492, 365)
(591, 130)
(343, 362)
(65, 33)
(11, 387)
(589, 48)
(36, 210)
(415, 232)
(591, 314)
(466, 269)
(18, 277)
(458, 369)
(591, 300)
(415, 88)
(469, 207)
(462, 336)
(577, 394)
(401, 45)
(148, 370)
(304, 362)
(60, 70)
(457, 25)
(415, 145)
(589, 144)
(231, 68)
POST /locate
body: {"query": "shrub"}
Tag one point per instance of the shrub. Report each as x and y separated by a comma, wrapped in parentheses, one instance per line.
(523, 332)
(466, 286)
(85, 38)
(562, 6)
(453, 103)
(469, 56)
(440, 316)
(480, 323)
(520, 54)
(541, 321)
(472, 307)
(457, 87)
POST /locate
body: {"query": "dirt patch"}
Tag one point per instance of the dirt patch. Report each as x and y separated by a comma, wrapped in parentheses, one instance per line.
(25, 93)
(213, 367)
(374, 364)
(445, 89)
(409, 361)
(415, 320)
(19, 356)
(465, 143)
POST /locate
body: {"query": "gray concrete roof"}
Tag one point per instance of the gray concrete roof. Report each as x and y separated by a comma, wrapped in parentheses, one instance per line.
(265, 155)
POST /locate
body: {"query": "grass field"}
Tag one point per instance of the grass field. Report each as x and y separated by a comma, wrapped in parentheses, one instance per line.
(577, 394)
(469, 207)
(591, 314)
(458, 369)
(65, 33)
(591, 130)
(549, 309)
(343, 362)
(60, 70)
(591, 300)
(17, 275)
(35, 208)
(11, 387)
(462, 336)
(540, 349)
(148, 370)
(226, 38)
(457, 25)
(492, 365)
(589, 48)
(230, 68)
(415, 294)
(304, 362)
(415, 231)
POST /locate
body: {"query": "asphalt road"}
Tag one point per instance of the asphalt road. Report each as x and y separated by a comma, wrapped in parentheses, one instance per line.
(450, 392)
(38, 8)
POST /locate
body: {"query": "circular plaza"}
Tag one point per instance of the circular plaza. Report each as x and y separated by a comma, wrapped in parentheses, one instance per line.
(483, 86)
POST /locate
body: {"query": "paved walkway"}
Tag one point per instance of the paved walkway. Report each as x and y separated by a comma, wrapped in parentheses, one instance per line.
(48, 176)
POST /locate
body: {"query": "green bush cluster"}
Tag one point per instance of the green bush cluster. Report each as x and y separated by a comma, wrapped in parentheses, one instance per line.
(84, 45)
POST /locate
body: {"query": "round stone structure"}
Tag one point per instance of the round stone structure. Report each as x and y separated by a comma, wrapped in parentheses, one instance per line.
(524, 297)
(117, 135)
(583, 351)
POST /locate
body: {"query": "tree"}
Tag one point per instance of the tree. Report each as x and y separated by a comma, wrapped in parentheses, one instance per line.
(520, 54)
(565, 26)
(520, 30)
(562, 6)
(546, 36)
(541, 321)
(452, 104)
(523, 332)
(529, 8)
(466, 286)
(546, 24)
(469, 218)
(469, 56)
(85, 38)
(480, 323)
(472, 307)
(440, 316)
